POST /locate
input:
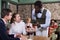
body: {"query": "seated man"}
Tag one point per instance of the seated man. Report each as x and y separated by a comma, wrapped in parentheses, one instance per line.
(6, 16)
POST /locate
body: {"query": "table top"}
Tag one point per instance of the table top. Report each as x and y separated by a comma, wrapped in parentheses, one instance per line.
(39, 38)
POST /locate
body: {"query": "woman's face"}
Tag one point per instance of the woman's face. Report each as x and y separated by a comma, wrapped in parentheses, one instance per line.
(52, 21)
(17, 18)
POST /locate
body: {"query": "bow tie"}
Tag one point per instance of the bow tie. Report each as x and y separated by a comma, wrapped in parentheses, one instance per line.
(38, 12)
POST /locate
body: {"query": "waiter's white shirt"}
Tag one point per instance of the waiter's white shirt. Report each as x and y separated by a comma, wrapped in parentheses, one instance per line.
(48, 17)
(17, 28)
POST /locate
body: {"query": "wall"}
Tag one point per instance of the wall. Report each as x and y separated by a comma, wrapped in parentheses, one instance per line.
(0, 8)
(55, 10)
(25, 10)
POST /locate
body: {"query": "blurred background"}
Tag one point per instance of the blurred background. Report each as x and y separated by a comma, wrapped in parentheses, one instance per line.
(24, 7)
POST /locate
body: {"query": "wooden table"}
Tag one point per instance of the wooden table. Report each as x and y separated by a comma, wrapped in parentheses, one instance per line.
(40, 38)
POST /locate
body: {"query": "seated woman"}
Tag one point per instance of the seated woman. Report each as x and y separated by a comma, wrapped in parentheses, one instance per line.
(53, 27)
(30, 29)
(17, 25)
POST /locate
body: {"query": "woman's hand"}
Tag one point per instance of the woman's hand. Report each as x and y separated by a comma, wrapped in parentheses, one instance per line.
(18, 35)
(23, 37)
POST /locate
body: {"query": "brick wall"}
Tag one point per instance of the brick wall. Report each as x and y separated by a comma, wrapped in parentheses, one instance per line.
(25, 10)
(13, 8)
(55, 10)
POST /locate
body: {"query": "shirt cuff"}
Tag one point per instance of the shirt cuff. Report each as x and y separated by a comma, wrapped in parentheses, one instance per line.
(14, 35)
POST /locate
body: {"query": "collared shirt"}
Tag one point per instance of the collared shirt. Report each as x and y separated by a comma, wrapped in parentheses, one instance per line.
(4, 21)
(48, 17)
(17, 28)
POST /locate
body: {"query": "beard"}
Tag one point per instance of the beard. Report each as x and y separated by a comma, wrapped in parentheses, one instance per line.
(39, 11)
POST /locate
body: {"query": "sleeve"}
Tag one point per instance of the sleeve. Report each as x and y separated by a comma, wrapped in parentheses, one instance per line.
(11, 30)
(3, 33)
(31, 25)
(48, 18)
(24, 30)
(33, 13)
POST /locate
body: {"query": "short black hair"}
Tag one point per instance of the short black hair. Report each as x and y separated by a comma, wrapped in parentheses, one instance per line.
(5, 12)
(54, 20)
(38, 3)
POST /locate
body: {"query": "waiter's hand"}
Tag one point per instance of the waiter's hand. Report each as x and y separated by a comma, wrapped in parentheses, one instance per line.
(43, 28)
(38, 25)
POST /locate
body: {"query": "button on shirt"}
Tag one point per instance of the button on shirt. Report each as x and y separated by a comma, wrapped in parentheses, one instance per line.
(48, 17)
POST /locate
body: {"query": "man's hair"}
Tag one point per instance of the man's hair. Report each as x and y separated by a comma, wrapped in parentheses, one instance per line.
(5, 12)
(38, 3)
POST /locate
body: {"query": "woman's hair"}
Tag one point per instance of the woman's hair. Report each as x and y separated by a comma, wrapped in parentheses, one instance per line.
(28, 18)
(13, 16)
(52, 20)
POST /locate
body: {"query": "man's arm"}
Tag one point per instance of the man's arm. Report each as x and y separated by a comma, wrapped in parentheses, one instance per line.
(4, 34)
(33, 17)
(48, 18)
(33, 14)
(24, 30)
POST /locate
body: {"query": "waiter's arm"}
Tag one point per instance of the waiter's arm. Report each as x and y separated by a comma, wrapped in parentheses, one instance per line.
(33, 14)
(47, 21)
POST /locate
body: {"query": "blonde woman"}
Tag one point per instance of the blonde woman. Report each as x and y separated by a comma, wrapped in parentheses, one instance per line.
(30, 29)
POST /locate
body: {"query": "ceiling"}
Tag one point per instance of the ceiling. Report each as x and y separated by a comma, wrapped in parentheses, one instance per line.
(29, 1)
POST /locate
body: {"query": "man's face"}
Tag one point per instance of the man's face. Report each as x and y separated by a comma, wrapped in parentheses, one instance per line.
(37, 9)
(9, 16)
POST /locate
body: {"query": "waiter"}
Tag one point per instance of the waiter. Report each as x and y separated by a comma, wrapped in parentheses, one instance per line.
(42, 17)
